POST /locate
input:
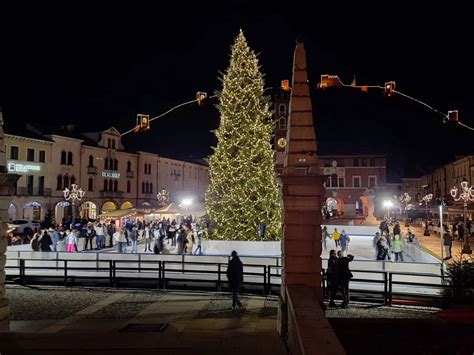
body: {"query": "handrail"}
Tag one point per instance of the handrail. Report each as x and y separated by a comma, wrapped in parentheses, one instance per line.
(266, 273)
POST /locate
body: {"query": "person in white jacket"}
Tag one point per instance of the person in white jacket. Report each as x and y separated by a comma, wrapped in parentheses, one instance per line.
(71, 241)
(119, 237)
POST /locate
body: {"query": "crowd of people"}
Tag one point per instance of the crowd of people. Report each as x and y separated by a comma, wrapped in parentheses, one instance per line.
(341, 239)
(181, 237)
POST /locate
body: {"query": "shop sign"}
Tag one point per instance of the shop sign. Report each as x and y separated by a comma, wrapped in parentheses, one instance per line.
(22, 167)
(109, 174)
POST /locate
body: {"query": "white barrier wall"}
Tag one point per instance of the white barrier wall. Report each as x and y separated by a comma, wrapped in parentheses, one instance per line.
(225, 247)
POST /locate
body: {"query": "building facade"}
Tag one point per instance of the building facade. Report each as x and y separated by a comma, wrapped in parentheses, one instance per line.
(97, 162)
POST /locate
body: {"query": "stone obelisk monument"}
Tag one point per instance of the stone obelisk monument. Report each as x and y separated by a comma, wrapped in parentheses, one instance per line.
(7, 189)
(302, 194)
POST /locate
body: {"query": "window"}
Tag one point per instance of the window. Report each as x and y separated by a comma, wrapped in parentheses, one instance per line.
(42, 156)
(356, 162)
(147, 187)
(356, 181)
(151, 188)
(372, 181)
(372, 162)
(115, 183)
(30, 184)
(90, 185)
(341, 182)
(14, 153)
(143, 187)
(41, 185)
(106, 164)
(364, 162)
(111, 185)
(30, 154)
(145, 167)
(73, 180)
(106, 186)
(282, 109)
(129, 166)
(129, 186)
(333, 180)
(417, 185)
(109, 143)
(69, 158)
(115, 164)
(91, 161)
(66, 181)
(59, 182)
(63, 158)
(113, 143)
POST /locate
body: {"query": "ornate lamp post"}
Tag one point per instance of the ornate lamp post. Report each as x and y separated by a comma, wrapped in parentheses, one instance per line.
(405, 198)
(466, 195)
(388, 205)
(426, 199)
(73, 194)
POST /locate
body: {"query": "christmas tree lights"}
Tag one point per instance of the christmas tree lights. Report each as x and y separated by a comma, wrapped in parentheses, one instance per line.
(243, 190)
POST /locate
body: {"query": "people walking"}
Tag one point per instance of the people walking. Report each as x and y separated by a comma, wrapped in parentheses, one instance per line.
(336, 236)
(235, 275)
(120, 240)
(181, 240)
(147, 236)
(447, 243)
(324, 237)
(134, 239)
(382, 249)
(344, 241)
(198, 250)
(397, 247)
(345, 276)
(333, 277)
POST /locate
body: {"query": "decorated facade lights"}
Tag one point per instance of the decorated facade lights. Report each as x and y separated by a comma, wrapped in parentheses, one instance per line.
(426, 199)
(72, 195)
(466, 195)
(163, 198)
(405, 198)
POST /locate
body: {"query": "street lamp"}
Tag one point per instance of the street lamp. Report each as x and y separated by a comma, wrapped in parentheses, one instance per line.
(388, 205)
(426, 199)
(467, 195)
(73, 194)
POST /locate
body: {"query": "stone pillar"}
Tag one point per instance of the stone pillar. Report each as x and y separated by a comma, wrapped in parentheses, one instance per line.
(7, 189)
(303, 195)
(371, 219)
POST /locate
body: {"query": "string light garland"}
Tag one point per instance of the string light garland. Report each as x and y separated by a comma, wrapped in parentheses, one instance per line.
(243, 190)
(389, 89)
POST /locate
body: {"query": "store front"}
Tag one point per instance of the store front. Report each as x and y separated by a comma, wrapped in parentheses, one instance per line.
(88, 210)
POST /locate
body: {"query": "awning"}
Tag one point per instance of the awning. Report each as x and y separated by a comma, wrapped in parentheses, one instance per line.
(120, 213)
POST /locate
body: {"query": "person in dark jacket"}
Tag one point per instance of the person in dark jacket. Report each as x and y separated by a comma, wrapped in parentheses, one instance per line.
(345, 276)
(235, 275)
(45, 242)
(333, 277)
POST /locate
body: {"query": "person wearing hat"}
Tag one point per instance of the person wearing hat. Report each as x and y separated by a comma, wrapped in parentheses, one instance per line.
(235, 275)
(45, 241)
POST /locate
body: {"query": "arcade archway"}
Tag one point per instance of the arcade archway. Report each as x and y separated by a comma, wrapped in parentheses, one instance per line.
(126, 205)
(108, 206)
(33, 210)
(88, 210)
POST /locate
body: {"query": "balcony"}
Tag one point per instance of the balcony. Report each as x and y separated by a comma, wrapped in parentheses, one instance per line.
(24, 191)
(92, 170)
(130, 174)
(111, 194)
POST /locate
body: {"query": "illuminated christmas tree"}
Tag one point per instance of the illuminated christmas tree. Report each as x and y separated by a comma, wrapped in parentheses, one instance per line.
(243, 192)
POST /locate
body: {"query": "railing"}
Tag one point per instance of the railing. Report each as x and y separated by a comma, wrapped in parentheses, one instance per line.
(24, 191)
(111, 194)
(373, 285)
(92, 170)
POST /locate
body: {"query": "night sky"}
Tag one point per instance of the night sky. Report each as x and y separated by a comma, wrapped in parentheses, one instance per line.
(98, 65)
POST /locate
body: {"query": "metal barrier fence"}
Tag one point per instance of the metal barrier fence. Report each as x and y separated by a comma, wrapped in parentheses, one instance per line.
(379, 285)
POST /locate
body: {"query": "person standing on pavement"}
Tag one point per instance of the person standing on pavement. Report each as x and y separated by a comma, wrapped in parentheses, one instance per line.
(345, 276)
(235, 275)
(447, 243)
(333, 277)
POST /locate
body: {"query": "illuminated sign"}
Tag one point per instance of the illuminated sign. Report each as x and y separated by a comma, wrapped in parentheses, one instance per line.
(22, 167)
(108, 174)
